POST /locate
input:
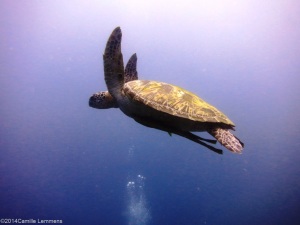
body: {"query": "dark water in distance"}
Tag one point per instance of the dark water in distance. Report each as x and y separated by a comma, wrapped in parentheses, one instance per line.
(61, 159)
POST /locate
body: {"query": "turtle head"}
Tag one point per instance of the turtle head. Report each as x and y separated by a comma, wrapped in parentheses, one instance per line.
(113, 64)
(102, 100)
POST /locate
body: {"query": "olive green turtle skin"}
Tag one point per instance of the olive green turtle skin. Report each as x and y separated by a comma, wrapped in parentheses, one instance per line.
(162, 104)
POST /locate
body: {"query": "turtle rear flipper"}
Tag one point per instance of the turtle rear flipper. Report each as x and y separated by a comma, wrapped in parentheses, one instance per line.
(227, 139)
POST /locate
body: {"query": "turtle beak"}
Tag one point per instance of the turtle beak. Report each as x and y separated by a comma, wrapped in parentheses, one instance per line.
(93, 101)
(102, 100)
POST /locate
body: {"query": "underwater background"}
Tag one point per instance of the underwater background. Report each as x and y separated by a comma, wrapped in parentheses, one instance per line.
(62, 160)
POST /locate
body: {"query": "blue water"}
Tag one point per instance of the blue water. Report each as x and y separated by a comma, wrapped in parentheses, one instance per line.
(62, 160)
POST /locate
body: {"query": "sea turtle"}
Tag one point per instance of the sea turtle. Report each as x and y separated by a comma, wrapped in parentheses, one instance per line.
(161, 105)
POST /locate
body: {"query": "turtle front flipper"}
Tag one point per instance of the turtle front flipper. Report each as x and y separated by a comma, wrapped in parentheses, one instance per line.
(197, 139)
(113, 64)
(130, 69)
(103, 99)
(186, 134)
(227, 139)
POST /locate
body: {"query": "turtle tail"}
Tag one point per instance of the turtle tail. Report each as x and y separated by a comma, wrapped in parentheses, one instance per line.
(227, 139)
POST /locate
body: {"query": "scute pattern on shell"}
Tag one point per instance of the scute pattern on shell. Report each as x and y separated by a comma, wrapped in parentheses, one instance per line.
(174, 100)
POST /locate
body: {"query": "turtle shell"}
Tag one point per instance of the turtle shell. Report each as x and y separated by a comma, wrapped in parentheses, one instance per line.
(174, 100)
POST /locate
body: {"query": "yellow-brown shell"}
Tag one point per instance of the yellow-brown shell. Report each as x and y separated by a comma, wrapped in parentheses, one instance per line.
(174, 100)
